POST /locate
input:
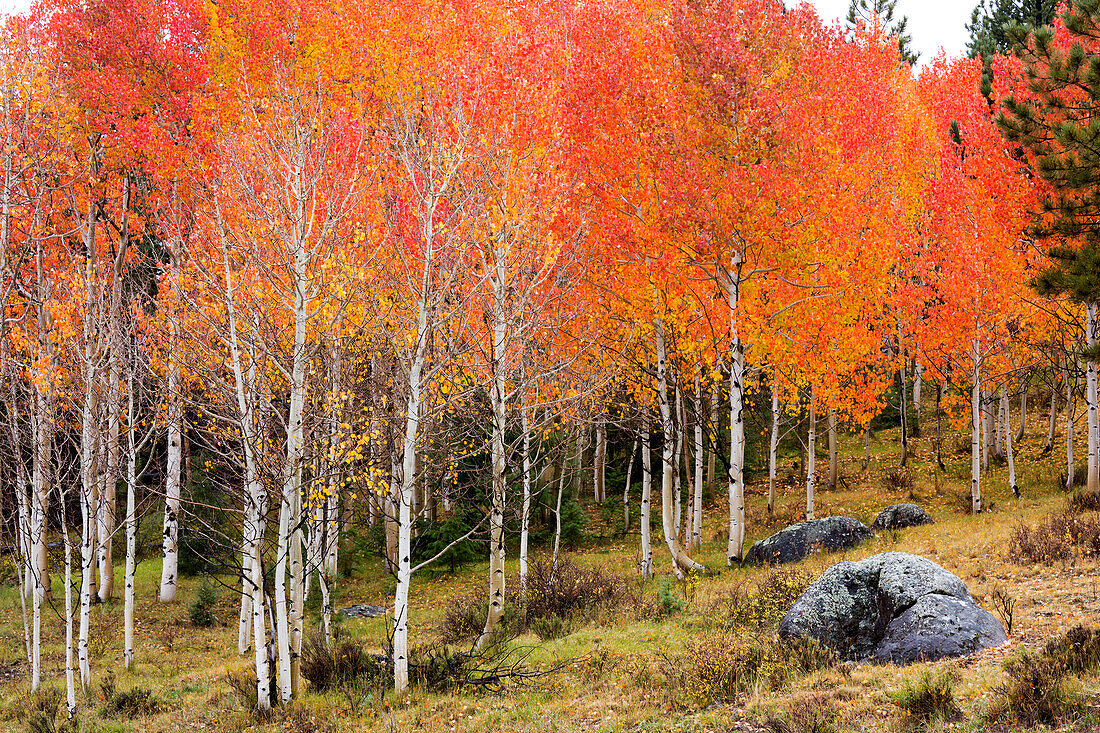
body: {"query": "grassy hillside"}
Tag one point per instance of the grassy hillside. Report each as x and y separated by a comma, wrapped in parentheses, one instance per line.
(692, 656)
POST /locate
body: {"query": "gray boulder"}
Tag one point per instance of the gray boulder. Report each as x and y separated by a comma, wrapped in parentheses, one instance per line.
(793, 543)
(900, 516)
(892, 607)
(363, 610)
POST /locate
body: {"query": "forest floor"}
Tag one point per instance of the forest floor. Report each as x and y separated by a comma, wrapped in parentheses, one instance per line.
(644, 664)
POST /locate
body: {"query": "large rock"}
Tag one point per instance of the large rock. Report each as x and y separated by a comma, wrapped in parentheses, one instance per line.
(793, 543)
(900, 516)
(892, 607)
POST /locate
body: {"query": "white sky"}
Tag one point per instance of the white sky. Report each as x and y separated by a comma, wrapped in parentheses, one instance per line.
(932, 23)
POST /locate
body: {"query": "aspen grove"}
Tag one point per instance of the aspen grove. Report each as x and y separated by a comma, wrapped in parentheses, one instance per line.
(281, 280)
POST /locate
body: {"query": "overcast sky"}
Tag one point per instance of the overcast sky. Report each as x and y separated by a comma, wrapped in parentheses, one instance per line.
(932, 23)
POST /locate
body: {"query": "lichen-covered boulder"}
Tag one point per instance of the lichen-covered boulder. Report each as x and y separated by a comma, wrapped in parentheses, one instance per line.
(892, 607)
(793, 543)
(900, 516)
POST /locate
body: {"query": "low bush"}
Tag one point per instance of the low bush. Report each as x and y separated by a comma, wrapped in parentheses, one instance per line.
(551, 627)
(668, 602)
(346, 664)
(930, 699)
(1077, 652)
(126, 703)
(762, 602)
(1083, 501)
(1058, 538)
(813, 712)
(43, 712)
(721, 666)
(1035, 692)
(898, 479)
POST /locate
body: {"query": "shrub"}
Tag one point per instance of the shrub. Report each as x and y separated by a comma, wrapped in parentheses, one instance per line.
(44, 712)
(551, 627)
(931, 698)
(243, 686)
(570, 591)
(1035, 691)
(1004, 603)
(1059, 537)
(765, 601)
(721, 666)
(1077, 651)
(202, 609)
(898, 480)
(347, 664)
(1083, 501)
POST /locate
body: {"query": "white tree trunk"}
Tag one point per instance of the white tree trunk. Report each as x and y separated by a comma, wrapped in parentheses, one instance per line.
(557, 519)
(1092, 334)
(736, 544)
(626, 487)
(1023, 410)
(811, 456)
(1052, 423)
(169, 570)
(647, 489)
(681, 562)
(697, 502)
(1008, 445)
(918, 379)
(1070, 467)
(131, 524)
(834, 469)
(975, 409)
(525, 514)
(773, 449)
(599, 463)
(107, 510)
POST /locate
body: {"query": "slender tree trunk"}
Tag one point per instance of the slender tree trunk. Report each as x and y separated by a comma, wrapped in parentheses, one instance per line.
(773, 450)
(525, 515)
(1001, 423)
(1070, 466)
(697, 503)
(1092, 334)
(1053, 417)
(626, 487)
(866, 448)
(1023, 410)
(107, 510)
(677, 454)
(902, 406)
(172, 479)
(975, 407)
(131, 522)
(599, 463)
(712, 446)
(647, 488)
(811, 455)
(1008, 445)
(987, 427)
(939, 425)
(918, 380)
(681, 562)
(557, 519)
(736, 544)
(834, 469)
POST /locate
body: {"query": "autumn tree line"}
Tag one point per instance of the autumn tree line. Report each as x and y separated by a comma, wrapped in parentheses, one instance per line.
(275, 271)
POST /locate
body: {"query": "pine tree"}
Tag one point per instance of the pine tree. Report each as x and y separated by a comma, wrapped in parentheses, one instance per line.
(882, 12)
(1058, 123)
(988, 29)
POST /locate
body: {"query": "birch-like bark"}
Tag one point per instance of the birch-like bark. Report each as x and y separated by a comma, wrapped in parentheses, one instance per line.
(975, 408)
(1052, 422)
(773, 450)
(1000, 424)
(647, 489)
(525, 513)
(987, 427)
(811, 455)
(1008, 445)
(1070, 467)
(834, 469)
(70, 671)
(736, 544)
(697, 503)
(557, 520)
(918, 380)
(626, 487)
(677, 454)
(712, 444)
(1092, 334)
(681, 562)
(131, 524)
(1023, 410)
(169, 570)
(599, 463)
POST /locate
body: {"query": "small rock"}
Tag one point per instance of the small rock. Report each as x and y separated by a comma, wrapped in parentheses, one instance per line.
(797, 541)
(900, 516)
(363, 610)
